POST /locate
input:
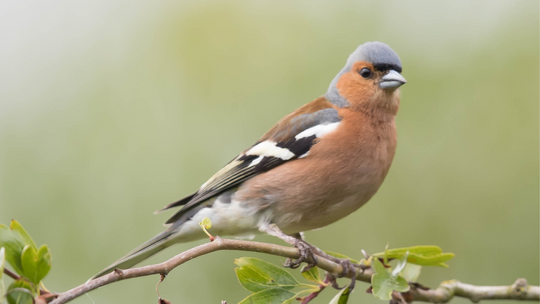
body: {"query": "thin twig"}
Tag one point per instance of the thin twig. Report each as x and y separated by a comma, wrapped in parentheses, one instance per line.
(444, 293)
(11, 274)
(313, 295)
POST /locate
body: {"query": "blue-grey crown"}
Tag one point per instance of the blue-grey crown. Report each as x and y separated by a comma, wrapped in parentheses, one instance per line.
(377, 53)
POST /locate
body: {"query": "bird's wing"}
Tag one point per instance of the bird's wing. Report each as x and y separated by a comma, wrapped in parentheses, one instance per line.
(289, 139)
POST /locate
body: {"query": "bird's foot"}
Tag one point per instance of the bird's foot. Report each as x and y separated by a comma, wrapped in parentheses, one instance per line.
(306, 255)
(349, 269)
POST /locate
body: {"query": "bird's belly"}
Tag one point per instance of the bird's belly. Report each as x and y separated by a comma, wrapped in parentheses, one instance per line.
(228, 218)
(303, 220)
(316, 207)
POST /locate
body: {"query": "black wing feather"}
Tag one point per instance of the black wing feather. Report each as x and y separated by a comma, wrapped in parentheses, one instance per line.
(242, 168)
(233, 178)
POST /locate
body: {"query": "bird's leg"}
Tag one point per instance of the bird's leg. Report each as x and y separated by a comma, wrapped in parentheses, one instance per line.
(306, 250)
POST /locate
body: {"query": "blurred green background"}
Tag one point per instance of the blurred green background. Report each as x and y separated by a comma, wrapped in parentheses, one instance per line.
(111, 109)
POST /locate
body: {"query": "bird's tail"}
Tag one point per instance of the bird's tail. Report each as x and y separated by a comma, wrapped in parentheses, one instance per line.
(141, 253)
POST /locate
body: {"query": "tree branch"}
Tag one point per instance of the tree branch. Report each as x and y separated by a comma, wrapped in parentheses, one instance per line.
(520, 290)
(444, 293)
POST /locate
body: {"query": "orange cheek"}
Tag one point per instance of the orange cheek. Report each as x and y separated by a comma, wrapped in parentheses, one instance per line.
(353, 89)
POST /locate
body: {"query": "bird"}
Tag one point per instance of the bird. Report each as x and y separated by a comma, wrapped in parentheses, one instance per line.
(314, 167)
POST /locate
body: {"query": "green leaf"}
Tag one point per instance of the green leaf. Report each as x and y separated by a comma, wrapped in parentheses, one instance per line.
(438, 260)
(377, 266)
(411, 272)
(13, 247)
(341, 256)
(19, 292)
(2, 262)
(420, 250)
(384, 283)
(256, 275)
(342, 297)
(270, 296)
(17, 242)
(20, 233)
(419, 255)
(29, 263)
(35, 263)
(44, 262)
(312, 275)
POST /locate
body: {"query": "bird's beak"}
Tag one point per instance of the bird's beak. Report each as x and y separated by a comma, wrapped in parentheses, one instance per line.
(392, 81)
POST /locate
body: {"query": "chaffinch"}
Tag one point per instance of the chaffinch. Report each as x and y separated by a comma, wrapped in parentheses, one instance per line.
(314, 167)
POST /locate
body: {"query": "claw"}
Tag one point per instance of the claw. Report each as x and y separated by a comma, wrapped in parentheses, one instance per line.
(348, 268)
(333, 281)
(306, 253)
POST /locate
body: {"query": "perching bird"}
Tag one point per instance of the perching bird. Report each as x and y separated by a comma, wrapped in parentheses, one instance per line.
(314, 167)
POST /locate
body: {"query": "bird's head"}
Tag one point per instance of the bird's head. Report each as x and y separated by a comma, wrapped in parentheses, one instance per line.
(371, 78)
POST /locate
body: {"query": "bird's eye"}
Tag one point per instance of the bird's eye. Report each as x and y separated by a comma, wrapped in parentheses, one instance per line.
(365, 72)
